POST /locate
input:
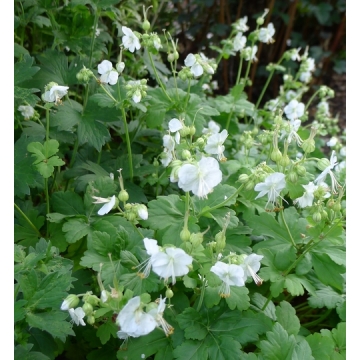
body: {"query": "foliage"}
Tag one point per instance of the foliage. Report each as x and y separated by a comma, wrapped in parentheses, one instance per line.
(157, 219)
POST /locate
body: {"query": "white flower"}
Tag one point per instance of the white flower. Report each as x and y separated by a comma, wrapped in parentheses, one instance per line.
(272, 186)
(214, 144)
(109, 204)
(108, 74)
(157, 314)
(133, 321)
(152, 248)
(239, 42)
(27, 111)
(130, 40)
(322, 176)
(294, 110)
(195, 68)
(290, 95)
(250, 52)
(136, 96)
(142, 212)
(171, 263)
(213, 128)
(240, 25)
(294, 127)
(174, 126)
(295, 54)
(103, 296)
(323, 107)
(166, 157)
(332, 142)
(308, 197)
(200, 178)
(55, 93)
(230, 275)
(77, 316)
(251, 266)
(305, 76)
(266, 34)
(273, 104)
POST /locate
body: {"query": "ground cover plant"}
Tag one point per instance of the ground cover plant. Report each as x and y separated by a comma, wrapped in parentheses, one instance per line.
(156, 219)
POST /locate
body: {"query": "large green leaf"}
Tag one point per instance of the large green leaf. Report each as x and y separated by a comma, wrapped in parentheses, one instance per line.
(286, 316)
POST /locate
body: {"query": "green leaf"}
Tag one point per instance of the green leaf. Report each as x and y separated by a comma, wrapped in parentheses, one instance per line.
(191, 350)
(26, 95)
(24, 352)
(66, 116)
(24, 233)
(105, 331)
(279, 345)
(286, 316)
(321, 346)
(238, 298)
(103, 100)
(211, 297)
(147, 345)
(53, 322)
(92, 132)
(223, 349)
(302, 351)
(191, 321)
(23, 70)
(244, 327)
(75, 229)
(326, 297)
(19, 310)
(259, 301)
(67, 203)
(339, 335)
(44, 154)
(328, 271)
(24, 173)
(294, 285)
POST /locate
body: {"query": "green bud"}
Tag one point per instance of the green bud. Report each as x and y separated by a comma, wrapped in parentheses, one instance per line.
(90, 320)
(260, 21)
(185, 234)
(330, 204)
(176, 55)
(324, 214)
(316, 217)
(243, 178)
(276, 155)
(293, 177)
(196, 238)
(70, 302)
(88, 309)
(249, 186)
(308, 145)
(186, 154)
(284, 161)
(169, 293)
(248, 143)
(184, 131)
(91, 299)
(323, 164)
(337, 206)
(255, 130)
(200, 142)
(171, 57)
(220, 239)
(300, 170)
(123, 196)
(192, 130)
(131, 216)
(146, 25)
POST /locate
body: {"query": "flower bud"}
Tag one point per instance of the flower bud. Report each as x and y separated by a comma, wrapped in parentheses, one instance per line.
(120, 66)
(131, 216)
(324, 214)
(169, 293)
(142, 212)
(300, 170)
(330, 204)
(260, 21)
(171, 57)
(196, 238)
(308, 145)
(243, 178)
(146, 25)
(70, 302)
(249, 186)
(88, 309)
(220, 239)
(284, 161)
(90, 320)
(91, 299)
(293, 177)
(184, 131)
(185, 234)
(323, 164)
(123, 196)
(316, 217)
(337, 206)
(192, 130)
(200, 142)
(276, 155)
(186, 154)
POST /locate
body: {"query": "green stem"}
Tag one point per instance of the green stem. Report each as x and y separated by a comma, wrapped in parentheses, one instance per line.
(157, 76)
(28, 220)
(46, 179)
(202, 293)
(128, 143)
(311, 99)
(96, 19)
(319, 320)
(234, 195)
(287, 228)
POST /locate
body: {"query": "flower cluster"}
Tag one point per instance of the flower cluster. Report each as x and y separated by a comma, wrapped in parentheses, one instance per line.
(198, 173)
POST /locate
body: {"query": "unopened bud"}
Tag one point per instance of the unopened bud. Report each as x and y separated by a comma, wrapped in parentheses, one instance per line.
(260, 21)
(169, 293)
(276, 155)
(185, 234)
(70, 302)
(123, 196)
(316, 217)
(308, 145)
(337, 206)
(323, 163)
(186, 154)
(146, 25)
(300, 170)
(284, 161)
(243, 178)
(293, 177)
(192, 130)
(88, 309)
(196, 238)
(90, 320)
